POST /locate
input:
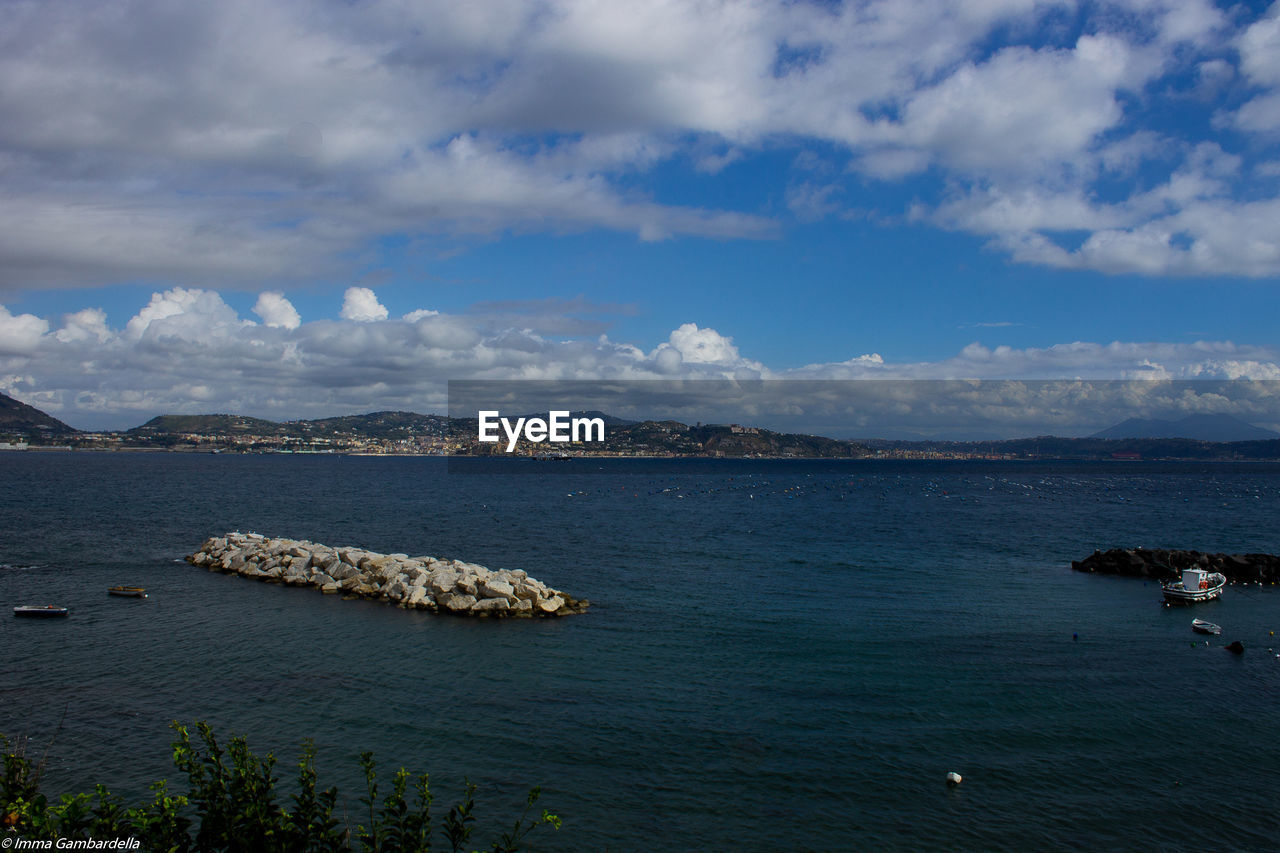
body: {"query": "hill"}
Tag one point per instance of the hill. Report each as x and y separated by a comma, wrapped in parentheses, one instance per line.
(17, 419)
(207, 425)
(1197, 427)
(386, 425)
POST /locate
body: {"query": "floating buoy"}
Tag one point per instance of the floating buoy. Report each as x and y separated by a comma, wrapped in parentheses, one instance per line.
(1075, 636)
(954, 778)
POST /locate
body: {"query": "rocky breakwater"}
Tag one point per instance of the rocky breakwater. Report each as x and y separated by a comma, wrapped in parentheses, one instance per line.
(1164, 564)
(419, 583)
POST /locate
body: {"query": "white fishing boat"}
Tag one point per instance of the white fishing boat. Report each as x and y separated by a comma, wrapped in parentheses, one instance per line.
(45, 610)
(1202, 627)
(1196, 585)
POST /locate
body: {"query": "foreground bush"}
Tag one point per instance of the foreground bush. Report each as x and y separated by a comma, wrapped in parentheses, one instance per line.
(233, 805)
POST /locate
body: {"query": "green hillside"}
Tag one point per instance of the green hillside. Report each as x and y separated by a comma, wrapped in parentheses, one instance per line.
(18, 420)
(208, 425)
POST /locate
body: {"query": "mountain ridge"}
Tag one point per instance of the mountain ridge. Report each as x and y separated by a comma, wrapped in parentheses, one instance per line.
(1198, 427)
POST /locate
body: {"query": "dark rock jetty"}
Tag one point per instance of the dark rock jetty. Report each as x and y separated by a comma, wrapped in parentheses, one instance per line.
(1163, 564)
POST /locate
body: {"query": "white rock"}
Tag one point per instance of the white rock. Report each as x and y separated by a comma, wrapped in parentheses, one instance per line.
(494, 588)
(343, 571)
(443, 582)
(457, 603)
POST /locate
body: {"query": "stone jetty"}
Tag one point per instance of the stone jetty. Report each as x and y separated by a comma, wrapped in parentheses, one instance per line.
(413, 583)
(1166, 564)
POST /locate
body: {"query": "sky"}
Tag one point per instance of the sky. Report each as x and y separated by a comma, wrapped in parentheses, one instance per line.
(295, 210)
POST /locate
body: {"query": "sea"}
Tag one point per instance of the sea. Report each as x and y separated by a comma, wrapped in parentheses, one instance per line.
(779, 654)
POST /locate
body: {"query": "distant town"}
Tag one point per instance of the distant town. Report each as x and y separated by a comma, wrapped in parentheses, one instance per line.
(23, 427)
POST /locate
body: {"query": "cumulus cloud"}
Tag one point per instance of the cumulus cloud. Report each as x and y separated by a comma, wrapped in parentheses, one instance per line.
(277, 311)
(88, 324)
(187, 351)
(20, 334)
(189, 314)
(361, 305)
(702, 346)
(152, 147)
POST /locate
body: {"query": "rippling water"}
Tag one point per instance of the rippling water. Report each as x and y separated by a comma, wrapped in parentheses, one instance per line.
(780, 655)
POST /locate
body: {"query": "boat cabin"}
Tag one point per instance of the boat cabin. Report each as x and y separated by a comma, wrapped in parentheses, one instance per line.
(1195, 579)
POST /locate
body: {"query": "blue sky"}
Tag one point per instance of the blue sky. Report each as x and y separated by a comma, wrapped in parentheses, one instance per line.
(299, 210)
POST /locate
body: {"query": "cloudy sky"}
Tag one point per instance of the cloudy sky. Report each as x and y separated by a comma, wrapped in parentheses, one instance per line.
(307, 209)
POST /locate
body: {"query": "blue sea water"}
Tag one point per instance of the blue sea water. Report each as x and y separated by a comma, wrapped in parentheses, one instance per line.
(780, 655)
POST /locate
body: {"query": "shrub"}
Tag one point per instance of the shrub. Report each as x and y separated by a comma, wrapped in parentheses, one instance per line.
(233, 805)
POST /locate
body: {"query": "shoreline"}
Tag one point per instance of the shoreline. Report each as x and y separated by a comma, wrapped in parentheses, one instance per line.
(44, 449)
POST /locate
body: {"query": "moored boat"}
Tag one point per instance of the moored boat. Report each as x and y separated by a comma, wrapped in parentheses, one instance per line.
(128, 591)
(1196, 585)
(1202, 627)
(40, 610)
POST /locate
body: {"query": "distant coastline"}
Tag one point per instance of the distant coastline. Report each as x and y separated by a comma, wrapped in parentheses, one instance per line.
(23, 427)
(1209, 452)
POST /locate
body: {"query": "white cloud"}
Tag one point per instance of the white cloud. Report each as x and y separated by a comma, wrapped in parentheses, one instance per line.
(277, 311)
(418, 314)
(188, 314)
(89, 324)
(702, 346)
(20, 334)
(1023, 110)
(184, 146)
(1259, 47)
(361, 305)
(187, 351)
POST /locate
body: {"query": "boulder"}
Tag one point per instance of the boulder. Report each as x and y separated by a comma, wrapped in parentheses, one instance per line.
(493, 588)
(443, 582)
(457, 603)
(491, 605)
(344, 570)
(526, 591)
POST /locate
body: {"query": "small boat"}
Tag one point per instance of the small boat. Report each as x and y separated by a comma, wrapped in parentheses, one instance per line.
(36, 610)
(1196, 585)
(128, 591)
(1202, 627)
